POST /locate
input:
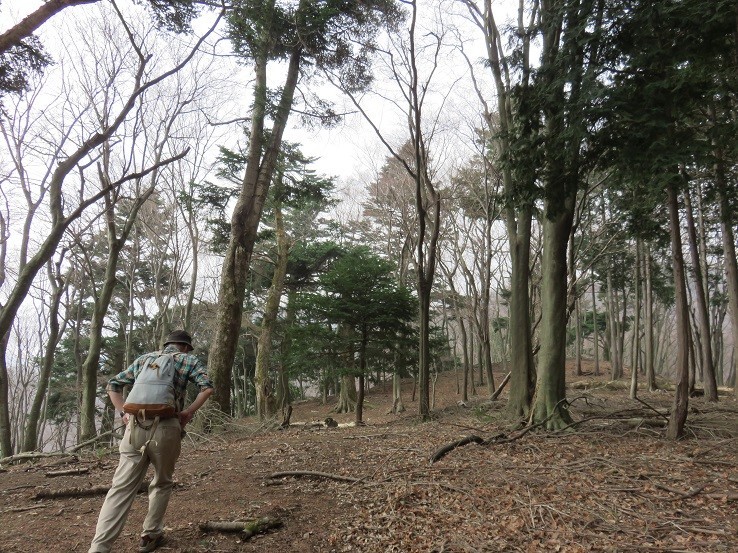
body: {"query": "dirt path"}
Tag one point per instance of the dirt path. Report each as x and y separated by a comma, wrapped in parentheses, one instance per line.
(614, 485)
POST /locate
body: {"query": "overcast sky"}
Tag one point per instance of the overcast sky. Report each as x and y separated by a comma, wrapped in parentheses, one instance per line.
(351, 149)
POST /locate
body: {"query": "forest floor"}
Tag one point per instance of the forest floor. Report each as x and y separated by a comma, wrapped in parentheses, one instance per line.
(611, 483)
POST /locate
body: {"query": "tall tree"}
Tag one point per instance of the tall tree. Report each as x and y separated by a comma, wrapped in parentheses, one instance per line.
(571, 31)
(334, 35)
(513, 125)
(359, 297)
(403, 60)
(669, 65)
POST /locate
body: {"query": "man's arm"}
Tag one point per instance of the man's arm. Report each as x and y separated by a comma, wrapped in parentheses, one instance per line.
(117, 400)
(185, 415)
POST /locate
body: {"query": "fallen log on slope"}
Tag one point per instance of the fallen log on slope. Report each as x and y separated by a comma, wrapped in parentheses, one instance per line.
(247, 528)
(81, 492)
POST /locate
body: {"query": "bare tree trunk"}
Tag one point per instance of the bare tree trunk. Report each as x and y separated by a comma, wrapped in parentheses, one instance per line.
(362, 377)
(465, 354)
(577, 314)
(521, 341)
(428, 207)
(103, 297)
(244, 224)
(621, 329)
(518, 214)
(6, 430)
(397, 405)
(612, 326)
(681, 395)
(702, 315)
(58, 286)
(284, 396)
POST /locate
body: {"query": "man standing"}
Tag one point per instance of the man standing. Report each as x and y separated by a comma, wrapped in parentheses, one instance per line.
(147, 443)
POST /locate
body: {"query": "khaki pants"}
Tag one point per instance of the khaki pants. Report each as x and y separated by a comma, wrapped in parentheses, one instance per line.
(161, 449)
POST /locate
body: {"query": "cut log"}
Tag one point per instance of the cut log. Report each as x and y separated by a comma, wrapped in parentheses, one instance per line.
(247, 528)
(68, 472)
(81, 492)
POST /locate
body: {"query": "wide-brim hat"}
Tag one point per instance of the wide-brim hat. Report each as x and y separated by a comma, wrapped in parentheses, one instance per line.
(179, 337)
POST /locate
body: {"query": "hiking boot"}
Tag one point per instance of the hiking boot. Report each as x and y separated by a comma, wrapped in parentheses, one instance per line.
(149, 543)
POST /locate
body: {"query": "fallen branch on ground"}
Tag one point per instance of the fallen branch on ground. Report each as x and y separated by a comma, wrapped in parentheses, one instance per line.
(30, 456)
(81, 492)
(443, 451)
(23, 509)
(680, 494)
(499, 438)
(68, 472)
(501, 387)
(664, 414)
(70, 453)
(310, 473)
(98, 437)
(247, 529)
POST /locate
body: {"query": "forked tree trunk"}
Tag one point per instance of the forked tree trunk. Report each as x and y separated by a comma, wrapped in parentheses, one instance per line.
(518, 214)
(681, 395)
(102, 300)
(30, 437)
(244, 225)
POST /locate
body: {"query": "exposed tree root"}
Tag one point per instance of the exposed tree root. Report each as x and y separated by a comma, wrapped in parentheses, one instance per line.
(504, 438)
(247, 528)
